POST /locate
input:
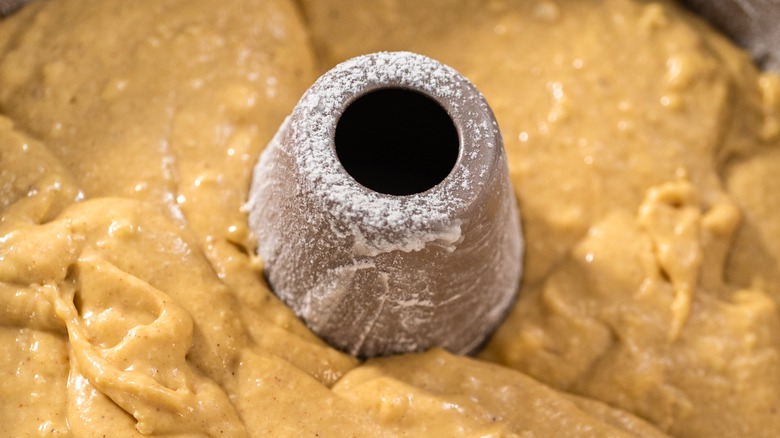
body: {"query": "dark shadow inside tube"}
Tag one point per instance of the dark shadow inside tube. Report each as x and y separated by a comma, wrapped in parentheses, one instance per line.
(397, 141)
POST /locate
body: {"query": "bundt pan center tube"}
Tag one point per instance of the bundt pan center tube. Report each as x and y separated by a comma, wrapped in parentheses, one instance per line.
(383, 209)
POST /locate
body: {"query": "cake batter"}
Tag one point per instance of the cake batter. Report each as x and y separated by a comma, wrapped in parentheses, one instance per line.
(642, 145)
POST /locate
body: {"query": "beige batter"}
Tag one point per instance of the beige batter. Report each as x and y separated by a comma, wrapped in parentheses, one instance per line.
(643, 147)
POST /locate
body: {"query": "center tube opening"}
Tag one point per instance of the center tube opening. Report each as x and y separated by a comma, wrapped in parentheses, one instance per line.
(397, 141)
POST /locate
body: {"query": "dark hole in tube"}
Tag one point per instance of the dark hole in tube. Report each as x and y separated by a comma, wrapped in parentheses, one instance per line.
(397, 141)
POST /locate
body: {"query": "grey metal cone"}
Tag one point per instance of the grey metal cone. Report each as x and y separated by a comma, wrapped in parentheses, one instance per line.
(375, 273)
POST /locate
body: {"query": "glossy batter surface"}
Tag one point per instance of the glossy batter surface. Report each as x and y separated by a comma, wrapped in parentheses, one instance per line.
(643, 148)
